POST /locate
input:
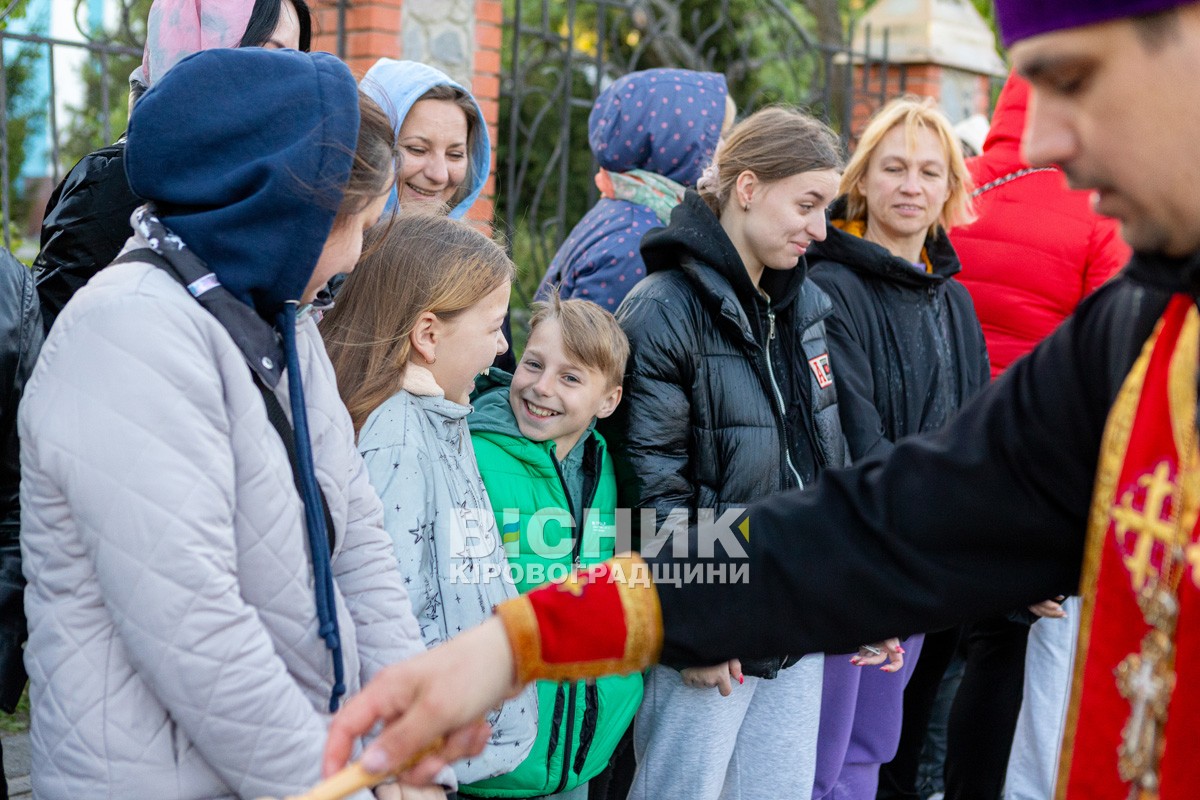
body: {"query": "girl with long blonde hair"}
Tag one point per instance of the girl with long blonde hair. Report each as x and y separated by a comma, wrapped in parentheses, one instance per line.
(414, 324)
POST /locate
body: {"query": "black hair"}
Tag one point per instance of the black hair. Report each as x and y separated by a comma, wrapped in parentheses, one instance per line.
(265, 16)
(1155, 28)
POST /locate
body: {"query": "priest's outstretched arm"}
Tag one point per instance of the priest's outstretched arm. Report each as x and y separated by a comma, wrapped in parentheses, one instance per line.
(986, 515)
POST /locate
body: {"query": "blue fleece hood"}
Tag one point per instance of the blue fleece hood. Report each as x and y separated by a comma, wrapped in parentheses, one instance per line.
(244, 154)
(397, 85)
(665, 121)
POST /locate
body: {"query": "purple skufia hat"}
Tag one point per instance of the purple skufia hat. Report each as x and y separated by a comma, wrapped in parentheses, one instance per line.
(1020, 19)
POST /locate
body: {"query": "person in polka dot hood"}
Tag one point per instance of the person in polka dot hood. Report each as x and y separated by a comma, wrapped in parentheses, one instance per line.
(653, 132)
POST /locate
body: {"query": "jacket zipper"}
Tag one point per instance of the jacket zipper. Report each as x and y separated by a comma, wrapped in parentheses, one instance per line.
(566, 771)
(552, 745)
(591, 484)
(577, 545)
(587, 730)
(576, 549)
(787, 450)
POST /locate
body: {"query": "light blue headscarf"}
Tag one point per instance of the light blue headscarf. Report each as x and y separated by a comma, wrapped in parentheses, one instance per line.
(396, 85)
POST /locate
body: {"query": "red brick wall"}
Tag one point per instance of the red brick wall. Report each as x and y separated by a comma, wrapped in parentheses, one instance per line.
(919, 79)
(489, 19)
(373, 31)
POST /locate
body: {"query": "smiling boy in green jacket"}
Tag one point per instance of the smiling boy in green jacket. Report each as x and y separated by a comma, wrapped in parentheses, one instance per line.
(549, 477)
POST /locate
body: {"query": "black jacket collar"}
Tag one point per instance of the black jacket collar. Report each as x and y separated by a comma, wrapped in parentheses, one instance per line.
(871, 259)
(1166, 272)
(695, 231)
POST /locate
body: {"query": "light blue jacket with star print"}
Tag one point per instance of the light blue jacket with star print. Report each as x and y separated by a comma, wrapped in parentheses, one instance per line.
(420, 460)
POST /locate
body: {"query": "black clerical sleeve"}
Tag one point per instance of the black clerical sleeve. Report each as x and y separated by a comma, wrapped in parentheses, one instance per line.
(987, 514)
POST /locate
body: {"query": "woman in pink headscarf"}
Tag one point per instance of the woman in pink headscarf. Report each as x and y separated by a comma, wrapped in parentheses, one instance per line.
(87, 217)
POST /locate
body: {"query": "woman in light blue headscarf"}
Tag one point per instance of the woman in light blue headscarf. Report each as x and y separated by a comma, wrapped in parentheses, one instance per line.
(440, 132)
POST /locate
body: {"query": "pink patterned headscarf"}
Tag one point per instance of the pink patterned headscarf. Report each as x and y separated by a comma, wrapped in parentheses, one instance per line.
(178, 28)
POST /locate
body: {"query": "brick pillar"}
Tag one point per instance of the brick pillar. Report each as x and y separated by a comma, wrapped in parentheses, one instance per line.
(946, 85)
(460, 37)
(919, 79)
(372, 30)
(485, 85)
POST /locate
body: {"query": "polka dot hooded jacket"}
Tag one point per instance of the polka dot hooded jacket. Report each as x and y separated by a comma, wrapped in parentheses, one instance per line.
(664, 121)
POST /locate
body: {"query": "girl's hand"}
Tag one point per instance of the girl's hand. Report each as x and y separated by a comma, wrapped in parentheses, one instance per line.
(1051, 609)
(888, 650)
(720, 675)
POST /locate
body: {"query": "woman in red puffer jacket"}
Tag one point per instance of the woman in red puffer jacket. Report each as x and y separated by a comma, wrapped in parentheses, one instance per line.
(1025, 285)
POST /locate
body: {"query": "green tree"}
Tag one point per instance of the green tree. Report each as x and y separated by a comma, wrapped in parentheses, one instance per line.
(21, 114)
(104, 110)
(559, 56)
(564, 54)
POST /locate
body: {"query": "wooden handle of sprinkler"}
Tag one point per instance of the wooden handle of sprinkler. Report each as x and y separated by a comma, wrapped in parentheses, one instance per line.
(342, 784)
(350, 779)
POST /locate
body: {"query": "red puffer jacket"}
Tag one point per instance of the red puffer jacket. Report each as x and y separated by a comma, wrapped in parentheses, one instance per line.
(1037, 248)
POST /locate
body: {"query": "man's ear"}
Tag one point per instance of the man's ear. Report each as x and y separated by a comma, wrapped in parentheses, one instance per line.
(610, 402)
(425, 336)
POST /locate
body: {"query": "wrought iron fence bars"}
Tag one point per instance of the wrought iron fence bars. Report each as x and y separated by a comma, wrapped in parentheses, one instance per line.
(103, 50)
(562, 55)
(4, 198)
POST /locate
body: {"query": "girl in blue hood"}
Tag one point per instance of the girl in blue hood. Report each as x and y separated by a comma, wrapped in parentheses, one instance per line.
(440, 131)
(652, 133)
(208, 571)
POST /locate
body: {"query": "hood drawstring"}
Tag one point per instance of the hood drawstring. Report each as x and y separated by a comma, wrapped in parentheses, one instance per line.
(314, 514)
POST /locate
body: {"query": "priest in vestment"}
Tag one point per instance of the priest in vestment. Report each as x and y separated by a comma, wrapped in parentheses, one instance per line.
(1077, 470)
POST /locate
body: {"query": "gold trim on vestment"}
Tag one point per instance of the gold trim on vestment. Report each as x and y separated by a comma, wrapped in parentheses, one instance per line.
(1113, 446)
(643, 623)
(643, 614)
(524, 636)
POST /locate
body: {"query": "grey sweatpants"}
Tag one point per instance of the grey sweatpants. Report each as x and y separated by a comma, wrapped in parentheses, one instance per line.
(760, 742)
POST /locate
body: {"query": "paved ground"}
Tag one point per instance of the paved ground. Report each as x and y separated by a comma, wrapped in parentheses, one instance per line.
(16, 764)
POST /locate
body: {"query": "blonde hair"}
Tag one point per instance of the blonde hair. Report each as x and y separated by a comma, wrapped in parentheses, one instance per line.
(915, 114)
(418, 263)
(590, 334)
(774, 143)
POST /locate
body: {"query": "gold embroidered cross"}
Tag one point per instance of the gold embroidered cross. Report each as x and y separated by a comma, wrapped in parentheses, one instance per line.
(1193, 559)
(1148, 524)
(1146, 680)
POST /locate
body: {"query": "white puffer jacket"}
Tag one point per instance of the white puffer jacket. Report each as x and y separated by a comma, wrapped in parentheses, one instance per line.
(173, 647)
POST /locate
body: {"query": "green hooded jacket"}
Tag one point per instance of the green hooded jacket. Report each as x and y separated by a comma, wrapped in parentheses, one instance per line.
(579, 724)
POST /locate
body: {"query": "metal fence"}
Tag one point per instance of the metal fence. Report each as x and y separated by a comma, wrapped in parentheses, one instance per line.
(101, 53)
(560, 56)
(51, 49)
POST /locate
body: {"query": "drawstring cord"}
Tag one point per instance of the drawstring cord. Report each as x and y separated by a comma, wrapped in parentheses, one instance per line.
(318, 536)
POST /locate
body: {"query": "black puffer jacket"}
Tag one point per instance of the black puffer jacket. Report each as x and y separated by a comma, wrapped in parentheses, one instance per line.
(85, 227)
(907, 345)
(20, 341)
(723, 402)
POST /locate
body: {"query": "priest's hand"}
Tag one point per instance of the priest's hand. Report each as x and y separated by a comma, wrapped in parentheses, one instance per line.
(431, 706)
(889, 650)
